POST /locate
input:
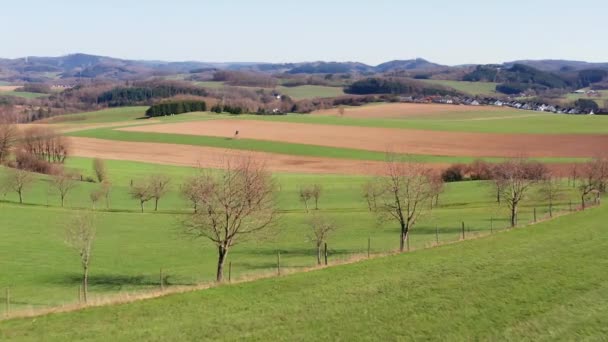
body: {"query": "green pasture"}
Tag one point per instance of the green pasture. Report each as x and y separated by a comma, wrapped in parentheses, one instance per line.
(546, 282)
(131, 247)
(310, 91)
(471, 88)
(23, 94)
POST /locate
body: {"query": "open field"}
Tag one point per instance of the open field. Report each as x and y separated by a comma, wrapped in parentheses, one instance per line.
(601, 100)
(310, 91)
(545, 282)
(8, 88)
(396, 140)
(297, 93)
(418, 110)
(131, 247)
(23, 94)
(103, 116)
(471, 88)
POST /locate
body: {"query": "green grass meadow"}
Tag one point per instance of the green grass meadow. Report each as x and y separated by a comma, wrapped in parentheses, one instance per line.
(131, 247)
(471, 88)
(23, 94)
(546, 282)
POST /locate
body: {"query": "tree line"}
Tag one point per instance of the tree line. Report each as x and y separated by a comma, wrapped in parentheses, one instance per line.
(176, 107)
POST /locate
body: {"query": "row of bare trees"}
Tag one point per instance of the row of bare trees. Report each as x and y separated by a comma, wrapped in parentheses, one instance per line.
(153, 188)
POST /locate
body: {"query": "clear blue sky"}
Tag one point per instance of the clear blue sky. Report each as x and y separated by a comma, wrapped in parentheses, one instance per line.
(448, 32)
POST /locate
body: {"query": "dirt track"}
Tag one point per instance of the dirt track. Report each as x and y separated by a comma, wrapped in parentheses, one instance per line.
(396, 140)
(404, 110)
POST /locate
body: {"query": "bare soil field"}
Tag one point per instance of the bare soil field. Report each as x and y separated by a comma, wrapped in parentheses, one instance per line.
(404, 110)
(396, 140)
(8, 88)
(210, 157)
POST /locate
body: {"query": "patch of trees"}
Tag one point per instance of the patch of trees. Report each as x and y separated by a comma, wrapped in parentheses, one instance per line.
(176, 107)
(245, 78)
(518, 74)
(587, 105)
(377, 85)
(40, 88)
(329, 68)
(512, 88)
(144, 92)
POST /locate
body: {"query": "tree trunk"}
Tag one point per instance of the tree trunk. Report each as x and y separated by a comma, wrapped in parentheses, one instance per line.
(156, 204)
(498, 195)
(222, 252)
(318, 254)
(62, 200)
(514, 216)
(85, 284)
(141, 203)
(20, 198)
(402, 238)
(583, 202)
(550, 208)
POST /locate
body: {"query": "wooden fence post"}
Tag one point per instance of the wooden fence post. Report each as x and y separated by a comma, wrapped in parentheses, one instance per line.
(325, 254)
(437, 235)
(278, 262)
(162, 285)
(369, 246)
(463, 236)
(229, 271)
(8, 300)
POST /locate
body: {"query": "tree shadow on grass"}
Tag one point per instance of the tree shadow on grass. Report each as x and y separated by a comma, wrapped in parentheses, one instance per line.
(116, 282)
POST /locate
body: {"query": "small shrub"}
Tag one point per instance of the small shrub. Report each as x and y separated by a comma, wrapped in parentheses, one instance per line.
(454, 173)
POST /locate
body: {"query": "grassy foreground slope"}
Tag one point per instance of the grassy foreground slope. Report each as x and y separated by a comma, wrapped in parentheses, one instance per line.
(546, 282)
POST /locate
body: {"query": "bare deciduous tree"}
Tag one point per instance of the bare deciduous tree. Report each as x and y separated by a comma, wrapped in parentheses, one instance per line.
(551, 191)
(311, 192)
(437, 188)
(517, 176)
(236, 203)
(64, 183)
(305, 196)
(45, 143)
(95, 196)
(80, 235)
(594, 178)
(8, 136)
(316, 190)
(99, 167)
(106, 187)
(320, 229)
(406, 187)
(371, 191)
(195, 188)
(18, 181)
(142, 193)
(159, 186)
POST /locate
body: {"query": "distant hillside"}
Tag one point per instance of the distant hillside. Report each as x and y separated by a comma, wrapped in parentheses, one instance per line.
(554, 65)
(410, 64)
(331, 68)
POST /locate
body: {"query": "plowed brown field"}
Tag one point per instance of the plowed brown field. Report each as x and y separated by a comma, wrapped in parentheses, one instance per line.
(396, 140)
